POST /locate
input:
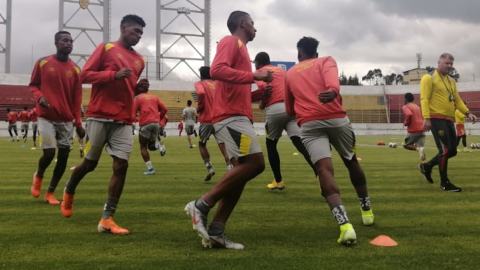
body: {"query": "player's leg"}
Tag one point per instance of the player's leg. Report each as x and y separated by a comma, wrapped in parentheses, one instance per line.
(420, 143)
(450, 150)
(15, 131)
(316, 141)
(223, 150)
(145, 132)
(10, 128)
(464, 143)
(119, 147)
(239, 138)
(34, 135)
(274, 125)
(343, 139)
(205, 131)
(48, 146)
(189, 130)
(293, 132)
(97, 133)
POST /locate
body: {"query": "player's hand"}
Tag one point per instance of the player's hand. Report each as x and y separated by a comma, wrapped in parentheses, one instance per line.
(267, 91)
(427, 125)
(123, 73)
(43, 102)
(80, 132)
(472, 117)
(327, 96)
(266, 76)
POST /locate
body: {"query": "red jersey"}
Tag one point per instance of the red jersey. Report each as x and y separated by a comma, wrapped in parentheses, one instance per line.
(12, 117)
(278, 85)
(110, 98)
(24, 116)
(60, 84)
(413, 118)
(163, 120)
(232, 71)
(150, 107)
(205, 92)
(33, 115)
(304, 82)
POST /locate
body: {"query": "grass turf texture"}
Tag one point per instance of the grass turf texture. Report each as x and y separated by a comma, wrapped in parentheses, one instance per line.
(290, 229)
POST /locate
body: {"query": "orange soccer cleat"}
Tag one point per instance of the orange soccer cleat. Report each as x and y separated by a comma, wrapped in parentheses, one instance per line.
(50, 198)
(36, 186)
(109, 226)
(67, 204)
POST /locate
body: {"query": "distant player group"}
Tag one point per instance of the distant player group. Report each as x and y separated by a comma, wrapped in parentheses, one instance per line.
(305, 102)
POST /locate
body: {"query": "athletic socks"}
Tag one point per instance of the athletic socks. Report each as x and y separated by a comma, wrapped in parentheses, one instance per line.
(205, 203)
(229, 167)
(70, 187)
(110, 207)
(363, 198)
(208, 164)
(216, 228)
(149, 165)
(337, 208)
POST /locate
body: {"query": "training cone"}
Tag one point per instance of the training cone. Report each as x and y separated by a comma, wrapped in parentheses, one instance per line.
(383, 241)
(295, 154)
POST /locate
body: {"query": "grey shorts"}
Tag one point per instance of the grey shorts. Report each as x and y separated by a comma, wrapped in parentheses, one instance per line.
(277, 120)
(150, 131)
(238, 135)
(54, 134)
(12, 127)
(24, 126)
(34, 126)
(417, 139)
(189, 129)
(318, 135)
(117, 136)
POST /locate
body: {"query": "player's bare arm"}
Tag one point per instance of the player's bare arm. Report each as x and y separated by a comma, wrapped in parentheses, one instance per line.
(266, 76)
(327, 96)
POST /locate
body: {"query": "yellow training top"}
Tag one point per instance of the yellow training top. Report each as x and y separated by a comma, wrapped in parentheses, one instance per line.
(459, 118)
(439, 97)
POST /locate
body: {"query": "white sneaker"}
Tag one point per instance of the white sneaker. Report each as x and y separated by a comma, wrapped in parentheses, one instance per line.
(210, 174)
(163, 151)
(198, 218)
(221, 241)
(421, 152)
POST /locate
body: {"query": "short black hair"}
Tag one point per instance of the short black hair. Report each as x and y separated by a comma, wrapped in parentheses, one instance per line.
(8, 109)
(133, 19)
(409, 97)
(59, 34)
(234, 19)
(308, 45)
(205, 73)
(189, 102)
(262, 58)
(25, 108)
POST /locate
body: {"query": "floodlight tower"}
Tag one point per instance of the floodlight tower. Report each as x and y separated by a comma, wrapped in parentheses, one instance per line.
(81, 20)
(162, 30)
(419, 60)
(7, 20)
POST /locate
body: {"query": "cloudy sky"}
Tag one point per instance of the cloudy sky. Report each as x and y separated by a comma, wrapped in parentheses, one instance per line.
(359, 34)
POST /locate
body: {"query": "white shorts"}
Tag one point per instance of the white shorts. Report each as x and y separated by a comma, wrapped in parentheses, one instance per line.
(117, 136)
(278, 120)
(54, 134)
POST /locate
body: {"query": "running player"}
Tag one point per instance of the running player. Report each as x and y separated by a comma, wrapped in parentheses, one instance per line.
(24, 120)
(34, 119)
(277, 119)
(312, 93)
(205, 91)
(57, 90)
(113, 69)
(150, 110)
(162, 132)
(190, 117)
(415, 138)
(232, 119)
(12, 117)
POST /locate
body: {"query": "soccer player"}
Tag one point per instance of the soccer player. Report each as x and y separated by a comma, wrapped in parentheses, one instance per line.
(277, 119)
(190, 117)
(460, 127)
(232, 120)
(34, 118)
(312, 93)
(180, 129)
(12, 118)
(113, 69)
(439, 98)
(162, 132)
(205, 90)
(57, 90)
(415, 138)
(150, 110)
(24, 120)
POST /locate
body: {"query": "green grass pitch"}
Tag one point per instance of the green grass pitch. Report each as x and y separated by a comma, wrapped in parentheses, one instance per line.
(290, 229)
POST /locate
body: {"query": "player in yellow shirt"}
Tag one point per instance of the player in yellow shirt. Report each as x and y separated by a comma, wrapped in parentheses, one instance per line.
(461, 134)
(439, 99)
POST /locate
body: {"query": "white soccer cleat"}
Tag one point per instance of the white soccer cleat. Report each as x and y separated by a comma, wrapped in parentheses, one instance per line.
(221, 241)
(199, 220)
(421, 152)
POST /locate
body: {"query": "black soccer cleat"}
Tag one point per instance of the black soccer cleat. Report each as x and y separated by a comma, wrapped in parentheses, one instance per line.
(427, 172)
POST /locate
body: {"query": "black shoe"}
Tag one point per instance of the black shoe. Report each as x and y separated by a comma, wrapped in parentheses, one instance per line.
(427, 172)
(450, 187)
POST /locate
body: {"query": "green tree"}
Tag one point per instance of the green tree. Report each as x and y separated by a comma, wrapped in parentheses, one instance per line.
(374, 77)
(343, 79)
